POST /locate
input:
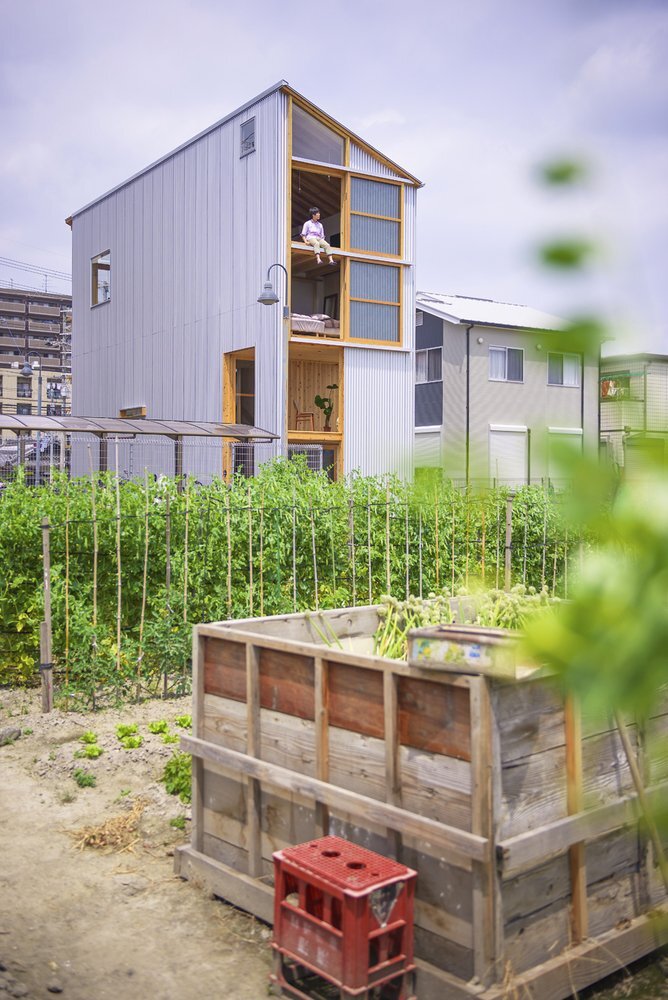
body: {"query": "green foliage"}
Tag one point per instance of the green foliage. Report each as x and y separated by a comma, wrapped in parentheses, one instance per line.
(171, 738)
(132, 742)
(309, 543)
(184, 721)
(123, 730)
(178, 822)
(90, 752)
(88, 737)
(567, 254)
(177, 776)
(158, 727)
(84, 779)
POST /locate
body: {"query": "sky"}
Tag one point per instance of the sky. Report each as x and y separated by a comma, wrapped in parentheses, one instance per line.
(469, 95)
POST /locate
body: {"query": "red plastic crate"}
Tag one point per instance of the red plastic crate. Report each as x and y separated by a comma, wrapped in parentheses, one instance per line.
(345, 914)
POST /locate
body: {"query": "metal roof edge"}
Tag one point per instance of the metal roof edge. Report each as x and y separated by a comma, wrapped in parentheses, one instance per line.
(462, 320)
(281, 85)
(617, 358)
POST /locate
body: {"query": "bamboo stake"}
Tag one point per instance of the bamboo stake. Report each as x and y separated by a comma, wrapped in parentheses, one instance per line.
(331, 535)
(67, 586)
(524, 545)
(368, 538)
(262, 554)
(420, 548)
(168, 547)
(566, 564)
(315, 563)
(542, 572)
(294, 550)
(119, 583)
(408, 565)
(45, 633)
(140, 652)
(482, 550)
(95, 538)
(186, 553)
(554, 570)
(468, 529)
(642, 799)
(250, 553)
(388, 579)
(228, 521)
(351, 521)
(438, 555)
(498, 542)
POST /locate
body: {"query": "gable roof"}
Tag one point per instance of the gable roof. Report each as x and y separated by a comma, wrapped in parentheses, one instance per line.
(281, 85)
(486, 312)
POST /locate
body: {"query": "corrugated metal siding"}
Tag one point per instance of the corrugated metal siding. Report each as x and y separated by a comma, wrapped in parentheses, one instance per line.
(191, 240)
(361, 160)
(427, 450)
(370, 321)
(374, 235)
(374, 197)
(378, 411)
(374, 281)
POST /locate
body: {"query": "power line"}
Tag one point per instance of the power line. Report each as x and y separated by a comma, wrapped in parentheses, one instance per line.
(35, 269)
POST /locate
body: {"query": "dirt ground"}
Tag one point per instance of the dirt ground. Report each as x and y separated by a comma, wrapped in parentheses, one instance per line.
(96, 924)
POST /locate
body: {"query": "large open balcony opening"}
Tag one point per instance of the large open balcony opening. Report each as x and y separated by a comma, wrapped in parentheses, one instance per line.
(311, 189)
(316, 297)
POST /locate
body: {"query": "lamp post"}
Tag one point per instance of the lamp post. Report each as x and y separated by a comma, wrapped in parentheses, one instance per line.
(28, 371)
(268, 297)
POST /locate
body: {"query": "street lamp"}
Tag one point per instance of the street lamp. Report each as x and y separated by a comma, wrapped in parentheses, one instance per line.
(28, 371)
(268, 297)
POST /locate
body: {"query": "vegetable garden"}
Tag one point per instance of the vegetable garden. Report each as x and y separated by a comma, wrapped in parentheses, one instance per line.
(133, 564)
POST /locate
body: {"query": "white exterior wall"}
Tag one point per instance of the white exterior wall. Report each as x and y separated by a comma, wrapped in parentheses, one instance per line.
(378, 411)
(190, 242)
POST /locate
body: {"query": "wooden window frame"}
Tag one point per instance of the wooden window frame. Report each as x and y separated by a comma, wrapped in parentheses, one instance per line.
(370, 215)
(95, 268)
(348, 298)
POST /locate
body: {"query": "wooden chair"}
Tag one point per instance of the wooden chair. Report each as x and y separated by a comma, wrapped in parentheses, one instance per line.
(303, 416)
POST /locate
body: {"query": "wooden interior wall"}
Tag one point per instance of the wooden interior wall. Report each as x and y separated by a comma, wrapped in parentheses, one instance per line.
(306, 380)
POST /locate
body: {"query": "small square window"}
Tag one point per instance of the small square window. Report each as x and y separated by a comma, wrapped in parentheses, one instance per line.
(247, 137)
(429, 365)
(563, 369)
(506, 364)
(100, 273)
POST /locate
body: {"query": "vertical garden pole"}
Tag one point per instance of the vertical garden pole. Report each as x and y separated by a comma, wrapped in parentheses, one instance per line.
(186, 552)
(388, 574)
(119, 579)
(250, 553)
(542, 572)
(438, 554)
(294, 549)
(140, 651)
(262, 554)
(93, 501)
(524, 544)
(408, 570)
(45, 636)
(67, 586)
(368, 539)
(315, 563)
(351, 521)
(331, 535)
(228, 523)
(420, 547)
(482, 546)
(468, 535)
(508, 551)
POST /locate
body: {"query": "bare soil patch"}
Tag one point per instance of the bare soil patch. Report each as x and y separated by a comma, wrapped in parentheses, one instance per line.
(99, 923)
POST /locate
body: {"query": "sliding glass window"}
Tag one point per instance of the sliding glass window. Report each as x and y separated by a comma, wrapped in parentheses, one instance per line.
(374, 302)
(375, 216)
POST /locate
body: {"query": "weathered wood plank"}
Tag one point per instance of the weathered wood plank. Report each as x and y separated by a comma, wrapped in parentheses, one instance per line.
(574, 804)
(434, 717)
(321, 696)
(534, 847)
(463, 845)
(253, 743)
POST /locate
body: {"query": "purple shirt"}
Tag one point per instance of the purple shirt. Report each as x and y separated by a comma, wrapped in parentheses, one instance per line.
(312, 228)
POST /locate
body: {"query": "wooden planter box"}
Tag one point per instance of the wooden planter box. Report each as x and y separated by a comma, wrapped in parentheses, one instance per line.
(520, 818)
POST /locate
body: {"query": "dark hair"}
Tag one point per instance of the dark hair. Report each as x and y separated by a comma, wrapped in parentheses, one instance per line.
(314, 211)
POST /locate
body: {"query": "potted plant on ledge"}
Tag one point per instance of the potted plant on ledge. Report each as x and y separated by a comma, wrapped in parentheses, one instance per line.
(326, 404)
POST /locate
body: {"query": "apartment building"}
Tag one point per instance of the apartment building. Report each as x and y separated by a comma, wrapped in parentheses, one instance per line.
(496, 386)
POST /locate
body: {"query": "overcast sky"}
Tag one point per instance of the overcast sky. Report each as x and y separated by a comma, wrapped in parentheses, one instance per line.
(469, 95)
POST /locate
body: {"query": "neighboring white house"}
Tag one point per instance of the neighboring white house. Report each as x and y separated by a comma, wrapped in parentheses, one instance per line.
(167, 268)
(634, 406)
(496, 385)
